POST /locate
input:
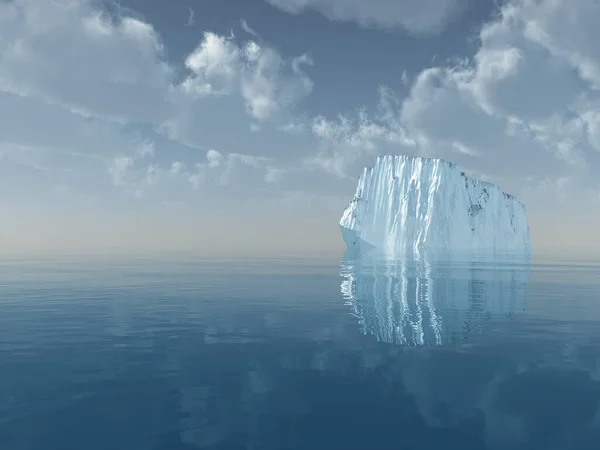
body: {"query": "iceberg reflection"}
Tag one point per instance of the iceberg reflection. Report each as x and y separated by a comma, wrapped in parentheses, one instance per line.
(426, 301)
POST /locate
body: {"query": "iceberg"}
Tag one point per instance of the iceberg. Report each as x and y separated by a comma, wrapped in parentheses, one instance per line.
(407, 204)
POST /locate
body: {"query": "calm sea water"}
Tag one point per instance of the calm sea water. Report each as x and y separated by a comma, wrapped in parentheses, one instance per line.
(146, 354)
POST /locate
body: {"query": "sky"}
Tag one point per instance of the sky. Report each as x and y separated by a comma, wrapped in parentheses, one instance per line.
(240, 127)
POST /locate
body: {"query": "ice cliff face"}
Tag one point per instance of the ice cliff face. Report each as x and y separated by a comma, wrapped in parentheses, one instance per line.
(409, 204)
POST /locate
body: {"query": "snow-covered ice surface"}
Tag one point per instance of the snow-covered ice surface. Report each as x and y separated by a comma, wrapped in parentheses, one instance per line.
(405, 204)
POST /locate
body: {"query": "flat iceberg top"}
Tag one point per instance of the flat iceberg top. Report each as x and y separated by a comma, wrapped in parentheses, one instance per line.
(408, 204)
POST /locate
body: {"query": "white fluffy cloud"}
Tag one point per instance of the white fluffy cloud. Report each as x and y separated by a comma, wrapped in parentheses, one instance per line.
(526, 84)
(346, 145)
(267, 83)
(524, 106)
(73, 54)
(414, 16)
(568, 30)
(76, 81)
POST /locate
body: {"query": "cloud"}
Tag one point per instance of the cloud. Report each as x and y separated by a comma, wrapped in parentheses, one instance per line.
(115, 66)
(267, 83)
(416, 17)
(233, 171)
(520, 113)
(75, 55)
(215, 65)
(565, 29)
(524, 105)
(119, 168)
(247, 29)
(346, 144)
(36, 135)
(213, 175)
(519, 89)
(292, 127)
(190, 21)
(125, 172)
(88, 81)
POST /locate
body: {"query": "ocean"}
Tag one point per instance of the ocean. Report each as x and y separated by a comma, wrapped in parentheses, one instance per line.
(182, 352)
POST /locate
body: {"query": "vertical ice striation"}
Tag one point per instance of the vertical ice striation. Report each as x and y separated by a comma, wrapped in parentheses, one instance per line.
(407, 204)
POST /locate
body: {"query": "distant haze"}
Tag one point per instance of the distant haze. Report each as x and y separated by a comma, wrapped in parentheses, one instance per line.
(290, 235)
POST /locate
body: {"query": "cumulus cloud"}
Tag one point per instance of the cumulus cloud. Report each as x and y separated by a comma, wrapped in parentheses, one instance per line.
(523, 87)
(265, 80)
(214, 64)
(73, 54)
(84, 79)
(347, 144)
(566, 29)
(101, 65)
(523, 106)
(417, 17)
